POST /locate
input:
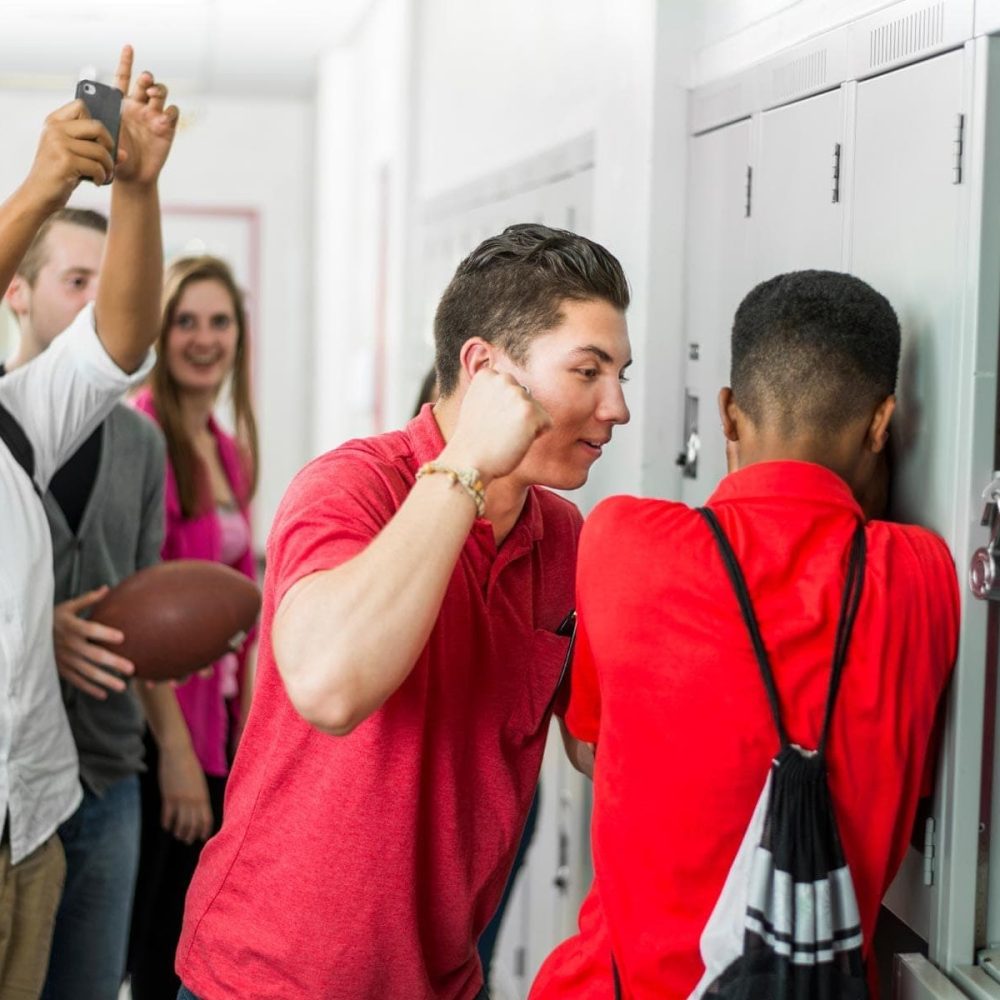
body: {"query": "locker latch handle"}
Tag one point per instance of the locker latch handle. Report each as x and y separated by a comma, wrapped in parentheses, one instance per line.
(984, 569)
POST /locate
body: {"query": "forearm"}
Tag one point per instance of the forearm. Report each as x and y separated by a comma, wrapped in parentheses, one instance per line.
(247, 682)
(163, 713)
(128, 298)
(345, 639)
(580, 754)
(20, 217)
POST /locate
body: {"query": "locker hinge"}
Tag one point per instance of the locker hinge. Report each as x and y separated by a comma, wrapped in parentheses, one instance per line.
(929, 850)
(520, 961)
(561, 880)
(749, 189)
(959, 146)
(836, 173)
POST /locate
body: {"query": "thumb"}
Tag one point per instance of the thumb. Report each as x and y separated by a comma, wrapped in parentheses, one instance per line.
(69, 112)
(86, 600)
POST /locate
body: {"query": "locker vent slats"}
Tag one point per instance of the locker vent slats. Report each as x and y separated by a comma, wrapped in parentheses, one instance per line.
(908, 35)
(806, 73)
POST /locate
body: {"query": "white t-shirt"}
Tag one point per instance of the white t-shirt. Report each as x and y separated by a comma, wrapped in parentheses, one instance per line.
(59, 398)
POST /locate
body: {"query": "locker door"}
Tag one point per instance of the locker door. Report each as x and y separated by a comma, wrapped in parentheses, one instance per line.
(718, 276)
(797, 216)
(909, 239)
(907, 215)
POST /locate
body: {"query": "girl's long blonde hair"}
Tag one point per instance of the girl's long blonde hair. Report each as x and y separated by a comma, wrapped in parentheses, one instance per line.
(189, 471)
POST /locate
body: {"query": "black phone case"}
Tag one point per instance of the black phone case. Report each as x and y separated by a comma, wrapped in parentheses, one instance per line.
(103, 103)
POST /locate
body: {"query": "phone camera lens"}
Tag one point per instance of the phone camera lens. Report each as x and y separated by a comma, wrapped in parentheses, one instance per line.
(89, 88)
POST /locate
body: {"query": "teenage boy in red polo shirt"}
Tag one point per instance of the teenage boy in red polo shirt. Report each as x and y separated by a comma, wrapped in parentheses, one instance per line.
(409, 656)
(665, 681)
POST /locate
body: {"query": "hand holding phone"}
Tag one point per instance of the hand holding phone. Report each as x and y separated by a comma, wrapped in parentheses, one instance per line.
(104, 104)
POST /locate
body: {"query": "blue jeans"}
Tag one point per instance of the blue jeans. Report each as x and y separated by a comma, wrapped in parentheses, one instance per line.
(101, 840)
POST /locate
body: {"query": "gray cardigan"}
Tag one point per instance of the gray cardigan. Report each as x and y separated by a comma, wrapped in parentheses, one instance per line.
(121, 531)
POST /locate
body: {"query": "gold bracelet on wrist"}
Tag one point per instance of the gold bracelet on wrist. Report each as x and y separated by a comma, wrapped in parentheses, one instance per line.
(467, 479)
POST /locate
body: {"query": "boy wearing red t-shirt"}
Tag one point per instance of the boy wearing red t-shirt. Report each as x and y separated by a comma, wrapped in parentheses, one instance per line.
(408, 654)
(665, 681)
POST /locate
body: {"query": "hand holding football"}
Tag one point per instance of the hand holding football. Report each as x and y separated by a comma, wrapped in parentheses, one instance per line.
(179, 616)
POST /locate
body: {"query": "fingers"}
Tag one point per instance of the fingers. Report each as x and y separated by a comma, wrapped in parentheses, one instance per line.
(544, 421)
(124, 72)
(141, 86)
(82, 638)
(72, 666)
(184, 823)
(168, 813)
(83, 164)
(72, 677)
(157, 94)
(82, 632)
(68, 112)
(95, 632)
(187, 819)
(90, 130)
(97, 655)
(77, 604)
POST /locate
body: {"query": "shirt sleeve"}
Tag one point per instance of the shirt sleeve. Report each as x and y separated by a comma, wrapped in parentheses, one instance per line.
(64, 393)
(331, 512)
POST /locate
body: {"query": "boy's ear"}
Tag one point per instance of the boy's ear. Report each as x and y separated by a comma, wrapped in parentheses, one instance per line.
(476, 353)
(17, 295)
(878, 429)
(728, 413)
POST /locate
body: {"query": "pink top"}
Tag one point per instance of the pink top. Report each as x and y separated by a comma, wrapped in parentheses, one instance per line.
(203, 700)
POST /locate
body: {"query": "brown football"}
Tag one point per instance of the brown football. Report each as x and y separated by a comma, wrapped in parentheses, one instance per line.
(179, 616)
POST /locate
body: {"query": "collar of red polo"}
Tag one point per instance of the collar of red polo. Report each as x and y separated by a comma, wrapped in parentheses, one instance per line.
(794, 480)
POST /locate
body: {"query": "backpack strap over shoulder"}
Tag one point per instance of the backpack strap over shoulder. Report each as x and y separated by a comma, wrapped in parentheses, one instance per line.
(848, 612)
(12, 434)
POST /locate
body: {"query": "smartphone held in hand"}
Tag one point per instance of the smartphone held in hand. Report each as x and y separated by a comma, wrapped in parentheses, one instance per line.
(104, 104)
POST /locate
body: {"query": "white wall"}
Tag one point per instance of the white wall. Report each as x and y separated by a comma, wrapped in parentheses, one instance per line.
(362, 176)
(236, 154)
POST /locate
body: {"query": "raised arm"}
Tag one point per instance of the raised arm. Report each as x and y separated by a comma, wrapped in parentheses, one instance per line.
(344, 639)
(128, 296)
(72, 146)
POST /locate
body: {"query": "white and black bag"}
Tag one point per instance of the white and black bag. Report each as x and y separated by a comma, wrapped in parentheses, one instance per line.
(786, 925)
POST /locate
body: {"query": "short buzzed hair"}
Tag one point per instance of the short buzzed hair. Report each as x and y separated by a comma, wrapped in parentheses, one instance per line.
(812, 351)
(511, 288)
(35, 256)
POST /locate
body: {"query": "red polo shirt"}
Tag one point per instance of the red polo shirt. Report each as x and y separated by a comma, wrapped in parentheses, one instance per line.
(665, 682)
(366, 866)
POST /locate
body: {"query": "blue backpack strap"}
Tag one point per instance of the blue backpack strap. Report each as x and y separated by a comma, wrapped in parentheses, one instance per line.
(12, 434)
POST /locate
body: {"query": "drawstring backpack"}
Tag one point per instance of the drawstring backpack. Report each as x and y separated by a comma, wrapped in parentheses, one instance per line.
(786, 925)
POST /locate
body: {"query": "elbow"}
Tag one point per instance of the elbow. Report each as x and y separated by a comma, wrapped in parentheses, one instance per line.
(332, 714)
(324, 696)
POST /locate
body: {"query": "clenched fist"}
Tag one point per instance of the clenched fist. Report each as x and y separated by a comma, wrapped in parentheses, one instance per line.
(498, 421)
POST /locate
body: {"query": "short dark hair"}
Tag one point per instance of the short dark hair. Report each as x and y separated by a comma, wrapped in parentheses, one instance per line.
(34, 258)
(813, 350)
(511, 287)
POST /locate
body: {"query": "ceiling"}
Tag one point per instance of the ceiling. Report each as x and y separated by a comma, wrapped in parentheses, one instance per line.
(230, 47)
